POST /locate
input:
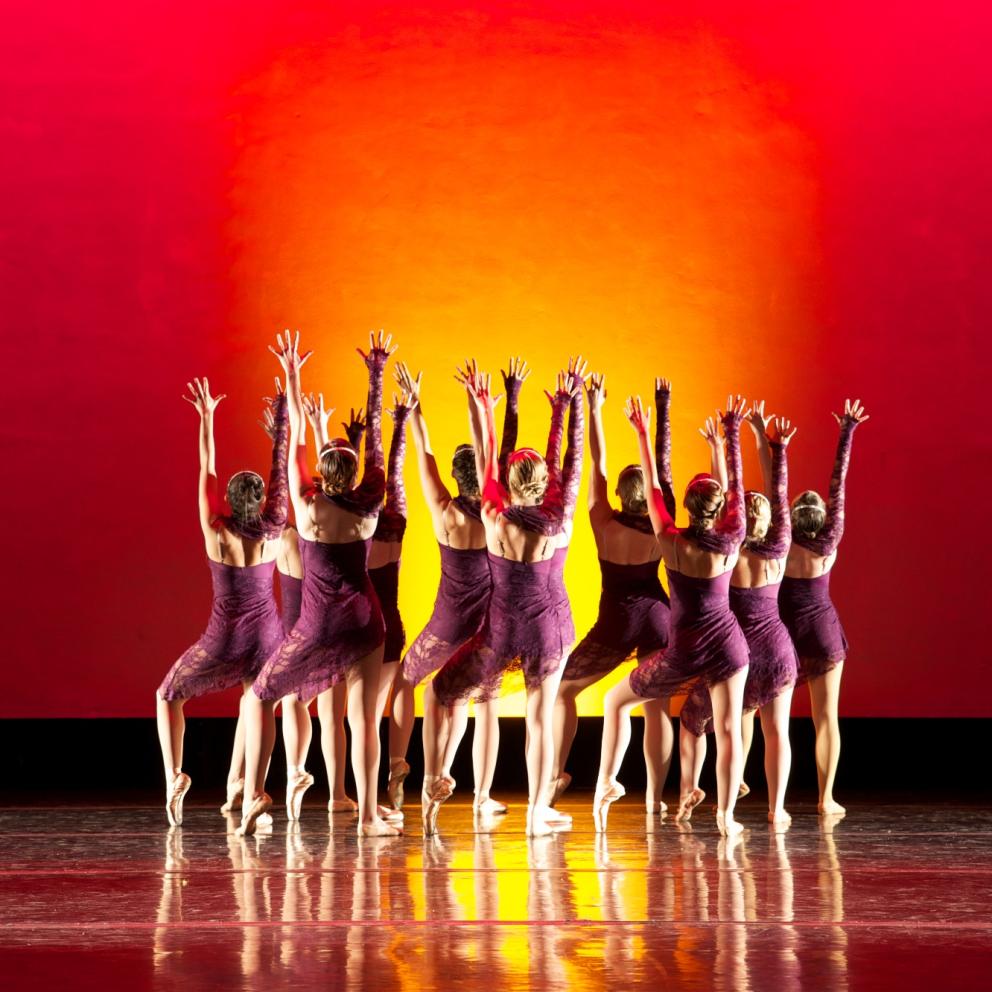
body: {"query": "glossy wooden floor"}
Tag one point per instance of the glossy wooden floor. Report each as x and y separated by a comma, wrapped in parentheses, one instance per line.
(887, 898)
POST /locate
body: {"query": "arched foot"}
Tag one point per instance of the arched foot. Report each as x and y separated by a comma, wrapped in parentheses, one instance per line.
(437, 790)
(235, 796)
(295, 788)
(744, 790)
(174, 803)
(557, 787)
(727, 825)
(606, 794)
(688, 803)
(346, 805)
(249, 818)
(398, 771)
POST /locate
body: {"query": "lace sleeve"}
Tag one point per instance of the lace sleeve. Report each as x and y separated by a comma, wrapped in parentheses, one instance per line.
(825, 543)
(366, 499)
(276, 511)
(510, 422)
(726, 537)
(355, 431)
(392, 519)
(552, 456)
(663, 448)
(571, 473)
(775, 543)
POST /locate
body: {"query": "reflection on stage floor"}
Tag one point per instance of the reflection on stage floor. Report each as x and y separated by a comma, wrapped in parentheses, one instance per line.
(890, 897)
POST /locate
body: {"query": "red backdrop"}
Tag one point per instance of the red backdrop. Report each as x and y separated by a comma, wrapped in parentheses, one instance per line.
(764, 197)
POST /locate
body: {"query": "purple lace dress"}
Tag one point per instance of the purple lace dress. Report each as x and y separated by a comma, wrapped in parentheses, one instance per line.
(774, 663)
(634, 609)
(463, 593)
(706, 643)
(340, 620)
(244, 626)
(390, 530)
(807, 609)
(291, 595)
(525, 623)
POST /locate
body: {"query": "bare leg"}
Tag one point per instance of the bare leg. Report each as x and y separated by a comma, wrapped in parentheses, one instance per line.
(620, 700)
(727, 699)
(260, 737)
(363, 697)
(485, 750)
(692, 755)
(297, 732)
(331, 706)
(565, 725)
(171, 729)
(438, 785)
(658, 742)
(747, 739)
(401, 719)
(236, 773)
(540, 753)
(778, 754)
(824, 695)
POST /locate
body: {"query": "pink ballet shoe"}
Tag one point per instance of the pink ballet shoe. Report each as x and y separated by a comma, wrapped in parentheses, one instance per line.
(235, 793)
(389, 814)
(346, 805)
(557, 788)
(174, 803)
(605, 796)
(688, 803)
(537, 825)
(727, 825)
(264, 823)
(744, 790)
(249, 819)
(433, 796)
(295, 788)
(379, 828)
(394, 787)
(489, 807)
(779, 819)
(831, 808)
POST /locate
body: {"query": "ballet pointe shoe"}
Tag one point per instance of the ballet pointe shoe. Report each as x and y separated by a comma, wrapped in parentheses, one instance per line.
(389, 814)
(779, 819)
(174, 803)
(249, 818)
(744, 790)
(263, 824)
(489, 807)
(235, 794)
(557, 788)
(606, 795)
(346, 805)
(398, 771)
(379, 828)
(436, 791)
(296, 786)
(727, 825)
(656, 807)
(830, 807)
(688, 803)
(537, 824)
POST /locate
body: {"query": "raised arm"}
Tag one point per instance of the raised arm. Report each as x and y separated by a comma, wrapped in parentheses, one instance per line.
(600, 510)
(775, 543)
(661, 520)
(493, 496)
(732, 526)
(758, 423)
(317, 417)
(571, 472)
(375, 362)
(663, 441)
(208, 498)
(435, 491)
(826, 542)
(718, 456)
(276, 512)
(354, 429)
(513, 379)
(392, 520)
(559, 400)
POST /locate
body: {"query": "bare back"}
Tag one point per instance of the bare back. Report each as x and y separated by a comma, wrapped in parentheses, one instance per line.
(456, 529)
(331, 524)
(508, 540)
(683, 555)
(624, 545)
(223, 545)
(753, 572)
(289, 561)
(805, 564)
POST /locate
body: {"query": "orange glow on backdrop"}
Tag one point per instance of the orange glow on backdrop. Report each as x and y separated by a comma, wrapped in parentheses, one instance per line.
(530, 188)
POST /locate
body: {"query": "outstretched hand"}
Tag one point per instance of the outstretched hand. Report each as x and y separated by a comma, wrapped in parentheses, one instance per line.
(515, 375)
(854, 413)
(638, 415)
(200, 398)
(478, 384)
(405, 403)
(734, 417)
(268, 421)
(596, 390)
(379, 350)
(407, 383)
(355, 422)
(780, 431)
(756, 418)
(576, 375)
(710, 431)
(313, 407)
(662, 388)
(288, 353)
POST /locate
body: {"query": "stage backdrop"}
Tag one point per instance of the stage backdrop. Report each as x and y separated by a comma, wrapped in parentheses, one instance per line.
(767, 198)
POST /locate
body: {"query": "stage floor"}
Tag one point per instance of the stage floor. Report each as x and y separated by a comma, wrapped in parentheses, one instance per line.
(891, 897)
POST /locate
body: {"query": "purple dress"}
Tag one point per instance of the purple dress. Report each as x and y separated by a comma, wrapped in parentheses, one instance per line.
(463, 593)
(244, 626)
(706, 643)
(291, 595)
(634, 609)
(807, 609)
(526, 622)
(774, 663)
(340, 620)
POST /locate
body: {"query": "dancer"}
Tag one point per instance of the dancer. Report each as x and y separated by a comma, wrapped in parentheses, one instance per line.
(462, 596)
(633, 606)
(706, 643)
(340, 632)
(754, 592)
(523, 623)
(808, 611)
(241, 545)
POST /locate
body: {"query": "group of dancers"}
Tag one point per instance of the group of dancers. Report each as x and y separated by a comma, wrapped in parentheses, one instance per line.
(748, 615)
